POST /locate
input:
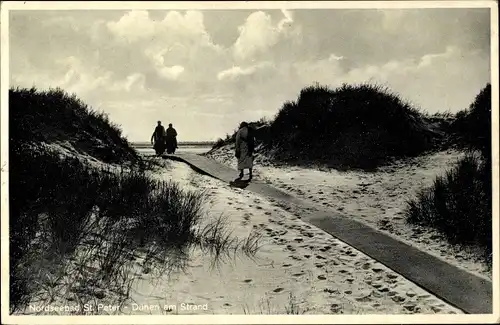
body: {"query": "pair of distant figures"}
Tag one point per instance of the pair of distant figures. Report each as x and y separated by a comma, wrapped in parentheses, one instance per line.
(164, 139)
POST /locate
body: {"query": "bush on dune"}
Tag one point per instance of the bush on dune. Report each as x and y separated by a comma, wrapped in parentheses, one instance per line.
(459, 203)
(53, 115)
(67, 217)
(353, 126)
(473, 125)
(356, 126)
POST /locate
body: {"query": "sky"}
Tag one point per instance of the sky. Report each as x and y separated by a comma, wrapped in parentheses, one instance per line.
(205, 71)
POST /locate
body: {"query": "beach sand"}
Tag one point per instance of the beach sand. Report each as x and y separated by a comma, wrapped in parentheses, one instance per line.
(374, 198)
(299, 268)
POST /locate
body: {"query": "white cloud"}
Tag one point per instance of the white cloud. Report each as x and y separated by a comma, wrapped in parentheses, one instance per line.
(430, 59)
(236, 71)
(258, 34)
(171, 73)
(334, 57)
(133, 26)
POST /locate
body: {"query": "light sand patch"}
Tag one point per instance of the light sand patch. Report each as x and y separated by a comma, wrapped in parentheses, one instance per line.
(299, 269)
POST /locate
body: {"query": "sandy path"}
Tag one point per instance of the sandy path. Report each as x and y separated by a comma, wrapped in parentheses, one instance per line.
(376, 199)
(299, 269)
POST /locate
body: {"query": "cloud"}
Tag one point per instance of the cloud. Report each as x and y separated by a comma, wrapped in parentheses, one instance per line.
(171, 73)
(141, 66)
(133, 26)
(258, 34)
(236, 71)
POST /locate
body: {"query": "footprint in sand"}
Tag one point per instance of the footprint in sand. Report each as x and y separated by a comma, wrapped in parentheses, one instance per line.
(298, 274)
(411, 308)
(277, 290)
(398, 299)
(321, 277)
(392, 276)
(331, 291)
(325, 248)
(307, 256)
(291, 248)
(366, 266)
(348, 292)
(364, 299)
(336, 308)
(287, 265)
(247, 280)
(295, 258)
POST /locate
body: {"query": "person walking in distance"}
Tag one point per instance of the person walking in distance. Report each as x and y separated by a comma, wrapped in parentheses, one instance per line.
(244, 149)
(171, 139)
(158, 139)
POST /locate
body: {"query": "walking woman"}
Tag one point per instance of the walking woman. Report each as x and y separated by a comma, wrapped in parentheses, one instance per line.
(158, 139)
(244, 149)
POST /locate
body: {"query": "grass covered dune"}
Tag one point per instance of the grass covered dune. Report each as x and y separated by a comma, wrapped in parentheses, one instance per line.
(353, 126)
(83, 209)
(367, 127)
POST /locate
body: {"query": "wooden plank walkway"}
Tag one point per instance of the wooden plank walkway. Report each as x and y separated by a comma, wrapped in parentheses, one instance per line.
(462, 289)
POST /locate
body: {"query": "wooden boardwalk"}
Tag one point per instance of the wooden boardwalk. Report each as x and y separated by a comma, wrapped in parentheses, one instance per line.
(464, 290)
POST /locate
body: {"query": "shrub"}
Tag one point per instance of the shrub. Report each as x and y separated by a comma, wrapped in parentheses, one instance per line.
(357, 126)
(473, 125)
(459, 203)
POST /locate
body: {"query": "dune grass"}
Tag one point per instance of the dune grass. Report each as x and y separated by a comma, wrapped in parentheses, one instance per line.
(78, 230)
(458, 204)
(352, 126)
(54, 115)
